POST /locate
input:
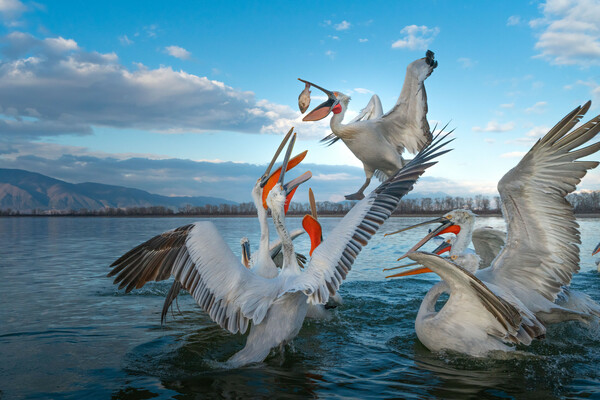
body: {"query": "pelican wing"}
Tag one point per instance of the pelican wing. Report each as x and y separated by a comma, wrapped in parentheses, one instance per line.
(541, 253)
(199, 259)
(488, 242)
(332, 260)
(405, 125)
(511, 322)
(373, 110)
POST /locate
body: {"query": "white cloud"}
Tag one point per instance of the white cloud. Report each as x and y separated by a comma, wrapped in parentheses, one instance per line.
(570, 32)
(489, 140)
(362, 40)
(513, 154)
(11, 10)
(125, 41)
(333, 37)
(537, 132)
(537, 108)
(494, 126)
(513, 20)
(342, 26)
(60, 44)
(466, 63)
(416, 37)
(72, 91)
(178, 52)
(363, 91)
(330, 54)
(507, 105)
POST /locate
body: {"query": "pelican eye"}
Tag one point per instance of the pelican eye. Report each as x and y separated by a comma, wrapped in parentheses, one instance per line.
(454, 257)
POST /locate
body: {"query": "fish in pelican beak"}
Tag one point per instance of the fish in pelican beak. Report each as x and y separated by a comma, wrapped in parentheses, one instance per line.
(323, 109)
(304, 98)
(446, 226)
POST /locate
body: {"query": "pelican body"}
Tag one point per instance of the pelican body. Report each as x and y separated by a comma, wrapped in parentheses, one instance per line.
(237, 298)
(513, 299)
(378, 139)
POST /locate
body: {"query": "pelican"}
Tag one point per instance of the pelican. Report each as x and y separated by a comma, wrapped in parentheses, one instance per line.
(236, 297)
(596, 250)
(310, 223)
(378, 139)
(262, 262)
(487, 241)
(511, 301)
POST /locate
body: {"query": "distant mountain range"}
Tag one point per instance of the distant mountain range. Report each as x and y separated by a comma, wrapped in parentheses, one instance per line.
(23, 191)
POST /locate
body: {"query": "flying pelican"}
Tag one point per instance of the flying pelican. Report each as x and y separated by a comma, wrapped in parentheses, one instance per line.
(233, 296)
(510, 301)
(378, 139)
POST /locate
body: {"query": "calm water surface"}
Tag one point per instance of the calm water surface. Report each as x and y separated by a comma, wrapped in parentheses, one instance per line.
(66, 332)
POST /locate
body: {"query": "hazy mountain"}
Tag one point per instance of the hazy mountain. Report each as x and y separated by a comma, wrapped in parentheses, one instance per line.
(23, 190)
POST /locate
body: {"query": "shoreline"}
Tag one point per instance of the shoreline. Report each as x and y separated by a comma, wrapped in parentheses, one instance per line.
(422, 215)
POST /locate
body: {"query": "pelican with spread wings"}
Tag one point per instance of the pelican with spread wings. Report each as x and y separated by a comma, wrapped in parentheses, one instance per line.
(234, 296)
(511, 301)
(378, 139)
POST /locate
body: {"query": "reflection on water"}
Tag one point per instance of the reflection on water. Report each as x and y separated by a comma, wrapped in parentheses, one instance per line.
(65, 331)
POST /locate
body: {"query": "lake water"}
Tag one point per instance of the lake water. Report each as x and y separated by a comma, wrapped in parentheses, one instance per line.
(66, 332)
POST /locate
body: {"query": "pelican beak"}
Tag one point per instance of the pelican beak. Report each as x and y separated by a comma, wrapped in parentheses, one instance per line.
(446, 226)
(265, 177)
(269, 180)
(291, 186)
(596, 250)
(313, 228)
(323, 109)
(415, 271)
(246, 253)
(442, 248)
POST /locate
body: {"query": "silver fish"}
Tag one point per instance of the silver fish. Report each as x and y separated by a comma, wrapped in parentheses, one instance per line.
(304, 98)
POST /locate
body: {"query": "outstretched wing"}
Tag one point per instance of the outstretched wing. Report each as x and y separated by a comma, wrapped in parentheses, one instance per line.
(511, 321)
(541, 253)
(333, 259)
(488, 242)
(199, 259)
(405, 125)
(373, 110)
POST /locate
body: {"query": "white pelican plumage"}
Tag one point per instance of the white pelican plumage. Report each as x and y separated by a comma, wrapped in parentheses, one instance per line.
(378, 139)
(533, 268)
(262, 262)
(233, 296)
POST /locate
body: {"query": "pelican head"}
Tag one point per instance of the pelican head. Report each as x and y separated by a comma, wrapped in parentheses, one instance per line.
(265, 183)
(332, 104)
(452, 222)
(246, 256)
(281, 194)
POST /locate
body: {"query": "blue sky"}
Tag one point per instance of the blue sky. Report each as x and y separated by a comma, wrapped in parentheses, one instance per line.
(157, 96)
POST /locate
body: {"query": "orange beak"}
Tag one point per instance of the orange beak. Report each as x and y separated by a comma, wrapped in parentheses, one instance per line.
(274, 178)
(415, 271)
(313, 228)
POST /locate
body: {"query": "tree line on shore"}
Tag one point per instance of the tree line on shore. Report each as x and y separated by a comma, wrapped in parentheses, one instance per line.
(583, 203)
